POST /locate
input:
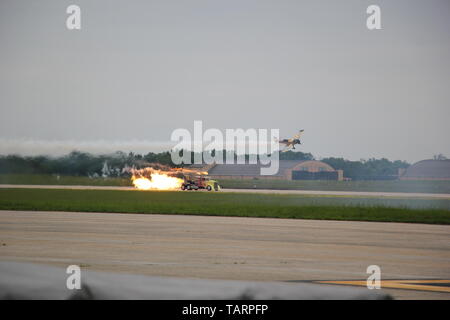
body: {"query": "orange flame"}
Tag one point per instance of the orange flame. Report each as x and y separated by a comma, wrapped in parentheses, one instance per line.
(158, 181)
(155, 179)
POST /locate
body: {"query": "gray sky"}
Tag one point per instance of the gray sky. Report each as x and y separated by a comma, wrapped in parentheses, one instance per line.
(137, 70)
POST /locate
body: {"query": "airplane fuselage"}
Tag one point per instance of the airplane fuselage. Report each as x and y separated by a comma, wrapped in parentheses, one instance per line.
(290, 142)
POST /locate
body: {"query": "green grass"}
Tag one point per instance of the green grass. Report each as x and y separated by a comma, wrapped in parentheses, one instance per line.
(229, 204)
(380, 186)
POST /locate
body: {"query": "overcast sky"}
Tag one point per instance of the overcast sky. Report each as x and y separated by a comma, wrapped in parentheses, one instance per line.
(137, 70)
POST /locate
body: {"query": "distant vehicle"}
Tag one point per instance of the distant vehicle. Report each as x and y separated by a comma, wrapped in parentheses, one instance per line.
(290, 143)
(199, 182)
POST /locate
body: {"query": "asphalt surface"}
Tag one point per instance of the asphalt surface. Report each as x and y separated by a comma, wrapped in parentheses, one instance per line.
(265, 191)
(230, 247)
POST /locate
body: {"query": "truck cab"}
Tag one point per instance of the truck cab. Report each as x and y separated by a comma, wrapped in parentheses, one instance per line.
(199, 182)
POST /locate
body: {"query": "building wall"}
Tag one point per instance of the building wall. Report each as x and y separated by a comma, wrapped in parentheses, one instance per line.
(340, 175)
(424, 178)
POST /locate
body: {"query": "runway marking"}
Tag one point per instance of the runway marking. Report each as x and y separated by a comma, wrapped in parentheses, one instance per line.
(420, 285)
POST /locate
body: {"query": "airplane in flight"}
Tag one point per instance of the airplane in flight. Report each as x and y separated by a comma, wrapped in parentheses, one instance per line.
(290, 143)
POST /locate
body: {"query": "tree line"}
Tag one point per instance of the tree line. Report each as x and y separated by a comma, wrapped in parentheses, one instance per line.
(85, 164)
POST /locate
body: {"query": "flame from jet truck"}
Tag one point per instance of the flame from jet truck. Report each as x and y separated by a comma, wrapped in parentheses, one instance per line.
(155, 179)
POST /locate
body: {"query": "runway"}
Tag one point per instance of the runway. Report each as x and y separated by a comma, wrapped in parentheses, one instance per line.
(264, 191)
(231, 247)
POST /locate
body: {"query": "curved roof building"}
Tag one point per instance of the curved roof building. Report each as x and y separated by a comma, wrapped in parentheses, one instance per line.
(288, 170)
(428, 170)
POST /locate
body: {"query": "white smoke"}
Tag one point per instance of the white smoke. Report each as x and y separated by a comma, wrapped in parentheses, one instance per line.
(33, 147)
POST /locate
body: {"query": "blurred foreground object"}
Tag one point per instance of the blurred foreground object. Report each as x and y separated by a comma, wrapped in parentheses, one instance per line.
(31, 281)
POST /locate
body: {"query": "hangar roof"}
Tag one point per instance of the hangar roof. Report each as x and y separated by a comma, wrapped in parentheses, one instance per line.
(429, 169)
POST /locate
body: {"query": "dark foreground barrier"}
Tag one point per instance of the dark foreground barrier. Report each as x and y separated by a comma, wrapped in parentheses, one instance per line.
(31, 281)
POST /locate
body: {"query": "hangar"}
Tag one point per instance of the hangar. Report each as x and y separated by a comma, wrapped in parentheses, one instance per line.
(427, 170)
(288, 170)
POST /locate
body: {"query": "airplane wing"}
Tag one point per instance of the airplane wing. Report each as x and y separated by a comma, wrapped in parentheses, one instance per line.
(297, 136)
